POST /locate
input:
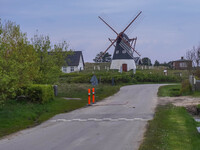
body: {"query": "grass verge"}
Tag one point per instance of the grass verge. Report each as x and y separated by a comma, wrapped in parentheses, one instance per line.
(171, 129)
(15, 116)
(174, 90)
(169, 90)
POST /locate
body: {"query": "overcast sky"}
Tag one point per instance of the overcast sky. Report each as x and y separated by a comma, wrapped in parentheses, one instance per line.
(165, 30)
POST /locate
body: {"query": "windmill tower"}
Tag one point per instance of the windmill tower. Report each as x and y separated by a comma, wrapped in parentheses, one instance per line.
(123, 59)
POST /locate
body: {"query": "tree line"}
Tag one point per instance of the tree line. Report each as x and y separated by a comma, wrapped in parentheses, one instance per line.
(24, 62)
(101, 57)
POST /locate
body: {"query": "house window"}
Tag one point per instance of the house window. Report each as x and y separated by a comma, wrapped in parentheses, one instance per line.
(64, 69)
(72, 69)
(183, 64)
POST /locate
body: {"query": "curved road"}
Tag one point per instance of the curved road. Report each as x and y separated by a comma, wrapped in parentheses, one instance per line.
(117, 123)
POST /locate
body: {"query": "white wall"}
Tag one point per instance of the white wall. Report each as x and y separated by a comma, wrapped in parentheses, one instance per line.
(80, 64)
(117, 63)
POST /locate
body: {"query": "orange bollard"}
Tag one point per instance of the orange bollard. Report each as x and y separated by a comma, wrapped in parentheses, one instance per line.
(93, 97)
(89, 97)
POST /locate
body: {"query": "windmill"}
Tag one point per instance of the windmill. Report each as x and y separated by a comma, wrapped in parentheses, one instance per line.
(123, 59)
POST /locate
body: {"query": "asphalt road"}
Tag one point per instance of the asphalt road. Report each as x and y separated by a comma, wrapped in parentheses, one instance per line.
(117, 123)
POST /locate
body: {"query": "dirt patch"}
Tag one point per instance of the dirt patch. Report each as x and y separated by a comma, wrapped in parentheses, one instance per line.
(190, 103)
(179, 101)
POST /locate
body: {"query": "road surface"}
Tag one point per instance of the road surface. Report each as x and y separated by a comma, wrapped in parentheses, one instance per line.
(117, 123)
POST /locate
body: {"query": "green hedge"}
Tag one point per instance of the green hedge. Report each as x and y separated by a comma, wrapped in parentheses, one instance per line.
(125, 77)
(37, 93)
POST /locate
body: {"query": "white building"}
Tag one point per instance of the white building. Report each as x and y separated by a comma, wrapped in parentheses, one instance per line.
(75, 62)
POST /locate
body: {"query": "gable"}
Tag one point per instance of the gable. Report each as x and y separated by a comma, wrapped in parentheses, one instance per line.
(74, 58)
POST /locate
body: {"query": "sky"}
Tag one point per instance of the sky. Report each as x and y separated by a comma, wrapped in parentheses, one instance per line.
(165, 30)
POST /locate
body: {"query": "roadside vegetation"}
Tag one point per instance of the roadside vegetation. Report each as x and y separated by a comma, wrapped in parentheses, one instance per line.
(183, 89)
(171, 129)
(17, 115)
(119, 78)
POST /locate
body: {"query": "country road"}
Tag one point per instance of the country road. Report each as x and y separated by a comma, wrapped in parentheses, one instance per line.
(117, 123)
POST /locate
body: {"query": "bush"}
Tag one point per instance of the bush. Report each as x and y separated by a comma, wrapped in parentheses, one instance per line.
(186, 88)
(125, 77)
(39, 93)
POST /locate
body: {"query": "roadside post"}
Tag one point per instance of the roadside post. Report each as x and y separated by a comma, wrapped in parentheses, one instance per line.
(93, 95)
(55, 89)
(89, 97)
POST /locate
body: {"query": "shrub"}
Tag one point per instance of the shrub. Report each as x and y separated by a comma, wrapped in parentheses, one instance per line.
(39, 93)
(186, 87)
(125, 77)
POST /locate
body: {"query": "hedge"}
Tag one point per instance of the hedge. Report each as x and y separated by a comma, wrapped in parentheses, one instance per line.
(37, 93)
(125, 77)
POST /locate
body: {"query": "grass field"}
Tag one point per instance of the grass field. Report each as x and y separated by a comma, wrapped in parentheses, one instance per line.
(171, 129)
(15, 116)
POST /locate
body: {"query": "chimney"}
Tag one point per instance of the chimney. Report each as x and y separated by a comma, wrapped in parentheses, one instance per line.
(182, 57)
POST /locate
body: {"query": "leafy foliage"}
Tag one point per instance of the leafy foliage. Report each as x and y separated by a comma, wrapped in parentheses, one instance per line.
(23, 63)
(146, 61)
(125, 77)
(102, 58)
(39, 93)
(18, 60)
(156, 63)
(50, 59)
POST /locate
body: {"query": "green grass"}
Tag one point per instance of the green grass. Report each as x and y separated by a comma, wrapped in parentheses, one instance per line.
(174, 90)
(169, 90)
(15, 116)
(196, 94)
(171, 129)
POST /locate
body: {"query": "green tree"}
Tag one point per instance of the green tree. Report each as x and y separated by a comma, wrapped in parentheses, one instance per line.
(18, 60)
(50, 59)
(102, 58)
(146, 61)
(156, 63)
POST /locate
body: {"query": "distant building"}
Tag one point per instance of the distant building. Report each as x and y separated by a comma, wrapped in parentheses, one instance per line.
(182, 64)
(75, 62)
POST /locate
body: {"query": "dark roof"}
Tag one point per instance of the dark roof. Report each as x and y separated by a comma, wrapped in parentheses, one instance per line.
(122, 50)
(181, 60)
(74, 58)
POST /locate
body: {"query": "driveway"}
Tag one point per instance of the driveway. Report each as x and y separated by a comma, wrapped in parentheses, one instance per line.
(117, 123)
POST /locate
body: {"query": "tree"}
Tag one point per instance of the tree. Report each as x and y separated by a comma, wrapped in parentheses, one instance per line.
(146, 61)
(105, 58)
(51, 59)
(18, 60)
(156, 63)
(194, 55)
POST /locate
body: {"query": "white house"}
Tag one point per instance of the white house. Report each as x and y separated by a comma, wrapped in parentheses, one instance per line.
(75, 62)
